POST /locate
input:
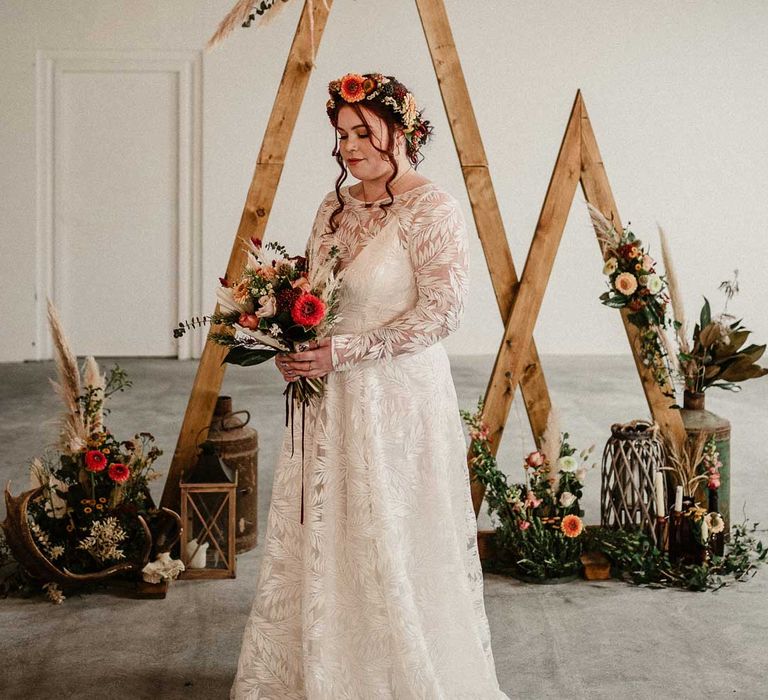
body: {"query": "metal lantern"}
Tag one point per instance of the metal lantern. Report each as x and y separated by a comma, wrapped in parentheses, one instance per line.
(238, 446)
(208, 506)
(632, 456)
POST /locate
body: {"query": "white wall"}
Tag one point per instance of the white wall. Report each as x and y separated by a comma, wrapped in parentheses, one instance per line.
(677, 94)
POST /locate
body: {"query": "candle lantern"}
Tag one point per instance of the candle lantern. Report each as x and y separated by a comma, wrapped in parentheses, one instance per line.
(208, 506)
(632, 457)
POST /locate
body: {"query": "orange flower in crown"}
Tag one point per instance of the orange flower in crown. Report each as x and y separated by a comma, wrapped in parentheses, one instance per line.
(351, 87)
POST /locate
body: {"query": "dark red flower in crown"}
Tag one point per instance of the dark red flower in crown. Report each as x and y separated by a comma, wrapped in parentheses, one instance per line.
(308, 310)
(95, 461)
(119, 472)
(352, 87)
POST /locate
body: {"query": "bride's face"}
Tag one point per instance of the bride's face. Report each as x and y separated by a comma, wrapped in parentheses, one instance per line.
(356, 143)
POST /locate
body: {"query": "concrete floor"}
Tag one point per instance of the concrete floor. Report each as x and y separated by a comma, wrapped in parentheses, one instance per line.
(576, 640)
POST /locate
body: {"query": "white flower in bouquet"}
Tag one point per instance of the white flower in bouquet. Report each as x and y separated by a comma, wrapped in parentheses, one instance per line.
(567, 499)
(715, 522)
(567, 463)
(268, 306)
(654, 284)
(581, 474)
(611, 265)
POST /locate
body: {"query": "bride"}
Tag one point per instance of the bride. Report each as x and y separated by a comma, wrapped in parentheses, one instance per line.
(370, 584)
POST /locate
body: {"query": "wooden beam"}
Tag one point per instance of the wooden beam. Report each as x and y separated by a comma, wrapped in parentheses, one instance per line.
(258, 205)
(485, 210)
(510, 365)
(597, 190)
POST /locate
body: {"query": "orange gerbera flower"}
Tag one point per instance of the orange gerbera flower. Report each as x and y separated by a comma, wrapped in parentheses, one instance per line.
(352, 87)
(571, 525)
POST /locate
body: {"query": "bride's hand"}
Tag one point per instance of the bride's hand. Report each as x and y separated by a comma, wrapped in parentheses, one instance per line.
(314, 362)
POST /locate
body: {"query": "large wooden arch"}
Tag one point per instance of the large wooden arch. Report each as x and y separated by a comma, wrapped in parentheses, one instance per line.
(518, 299)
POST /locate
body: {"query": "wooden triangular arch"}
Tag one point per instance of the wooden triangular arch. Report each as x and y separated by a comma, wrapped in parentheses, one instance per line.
(578, 161)
(517, 362)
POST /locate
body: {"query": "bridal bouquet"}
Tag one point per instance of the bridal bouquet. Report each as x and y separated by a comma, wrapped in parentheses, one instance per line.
(540, 523)
(274, 306)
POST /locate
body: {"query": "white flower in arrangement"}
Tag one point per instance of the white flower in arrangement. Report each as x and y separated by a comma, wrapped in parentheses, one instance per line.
(581, 474)
(567, 463)
(715, 522)
(275, 330)
(567, 499)
(653, 283)
(611, 265)
(56, 551)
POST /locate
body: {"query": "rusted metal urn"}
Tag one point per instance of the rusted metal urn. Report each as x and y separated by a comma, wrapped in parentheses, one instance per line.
(699, 420)
(238, 447)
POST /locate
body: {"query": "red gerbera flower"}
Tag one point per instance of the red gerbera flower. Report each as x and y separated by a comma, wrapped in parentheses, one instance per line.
(119, 472)
(308, 310)
(95, 461)
(352, 87)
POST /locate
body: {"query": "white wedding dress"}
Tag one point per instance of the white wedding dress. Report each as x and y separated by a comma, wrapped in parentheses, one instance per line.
(379, 593)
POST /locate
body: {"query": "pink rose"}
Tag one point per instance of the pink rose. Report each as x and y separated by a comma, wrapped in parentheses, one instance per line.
(524, 524)
(531, 501)
(648, 262)
(302, 283)
(535, 459)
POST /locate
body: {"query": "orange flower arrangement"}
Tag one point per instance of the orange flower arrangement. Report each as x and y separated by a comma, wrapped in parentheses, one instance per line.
(571, 525)
(352, 89)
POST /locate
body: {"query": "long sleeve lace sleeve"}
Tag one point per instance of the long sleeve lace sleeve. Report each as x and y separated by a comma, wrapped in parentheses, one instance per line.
(438, 249)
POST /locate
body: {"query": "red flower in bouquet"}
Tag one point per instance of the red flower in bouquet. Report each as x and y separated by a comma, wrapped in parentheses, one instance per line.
(119, 472)
(286, 298)
(571, 525)
(308, 310)
(95, 461)
(249, 321)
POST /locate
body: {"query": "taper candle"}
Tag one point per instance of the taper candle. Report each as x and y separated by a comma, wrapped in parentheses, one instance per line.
(658, 487)
(704, 531)
(678, 499)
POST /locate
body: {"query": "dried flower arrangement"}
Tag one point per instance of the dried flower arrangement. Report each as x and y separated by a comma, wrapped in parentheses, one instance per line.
(89, 511)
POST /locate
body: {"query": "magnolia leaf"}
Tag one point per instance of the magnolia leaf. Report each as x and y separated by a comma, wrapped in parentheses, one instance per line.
(753, 353)
(711, 371)
(706, 314)
(709, 335)
(741, 371)
(738, 338)
(246, 357)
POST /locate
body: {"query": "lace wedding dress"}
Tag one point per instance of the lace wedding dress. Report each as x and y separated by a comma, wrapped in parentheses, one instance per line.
(379, 593)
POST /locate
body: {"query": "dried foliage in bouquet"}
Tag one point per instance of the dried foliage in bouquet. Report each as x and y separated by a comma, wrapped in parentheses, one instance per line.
(716, 354)
(635, 285)
(88, 512)
(540, 525)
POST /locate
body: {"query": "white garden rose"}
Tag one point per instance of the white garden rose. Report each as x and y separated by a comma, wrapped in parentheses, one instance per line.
(567, 499)
(654, 284)
(567, 463)
(581, 475)
(611, 265)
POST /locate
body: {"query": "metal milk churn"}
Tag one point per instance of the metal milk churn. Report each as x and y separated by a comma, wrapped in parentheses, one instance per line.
(238, 446)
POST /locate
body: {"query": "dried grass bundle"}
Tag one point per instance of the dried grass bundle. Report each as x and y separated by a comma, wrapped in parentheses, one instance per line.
(73, 433)
(685, 457)
(552, 440)
(678, 311)
(606, 232)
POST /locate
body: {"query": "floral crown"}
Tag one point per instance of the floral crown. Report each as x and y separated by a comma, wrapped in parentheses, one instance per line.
(386, 90)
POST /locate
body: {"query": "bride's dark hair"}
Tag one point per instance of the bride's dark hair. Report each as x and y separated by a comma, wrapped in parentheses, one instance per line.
(392, 123)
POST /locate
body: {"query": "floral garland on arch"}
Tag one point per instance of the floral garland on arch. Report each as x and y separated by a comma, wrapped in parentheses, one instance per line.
(635, 284)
